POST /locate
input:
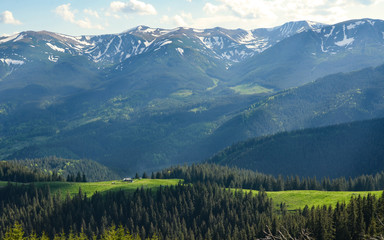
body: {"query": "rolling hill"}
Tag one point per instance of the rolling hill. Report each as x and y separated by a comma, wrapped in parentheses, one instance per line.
(350, 149)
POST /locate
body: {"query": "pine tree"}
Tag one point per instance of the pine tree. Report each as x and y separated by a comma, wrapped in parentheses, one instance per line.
(15, 233)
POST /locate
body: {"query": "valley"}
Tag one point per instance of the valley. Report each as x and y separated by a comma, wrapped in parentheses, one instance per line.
(237, 133)
(165, 97)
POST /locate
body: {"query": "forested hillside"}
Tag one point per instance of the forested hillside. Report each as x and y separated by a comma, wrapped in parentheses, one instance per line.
(335, 99)
(54, 169)
(197, 211)
(234, 177)
(15, 172)
(63, 167)
(341, 150)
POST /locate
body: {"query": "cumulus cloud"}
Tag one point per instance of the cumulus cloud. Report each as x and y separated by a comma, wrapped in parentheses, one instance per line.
(65, 12)
(210, 8)
(91, 13)
(7, 18)
(272, 11)
(182, 19)
(133, 6)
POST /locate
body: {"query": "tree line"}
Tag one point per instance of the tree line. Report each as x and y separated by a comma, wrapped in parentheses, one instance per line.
(64, 167)
(15, 172)
(232, 177)
(186, 211)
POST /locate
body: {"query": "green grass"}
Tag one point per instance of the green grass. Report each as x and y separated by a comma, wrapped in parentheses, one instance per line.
(91, 187)
(248, 89)
(3, 184)
(198, 109)
(293, 199)
(182, 93)
(215, 84)
(299, 199)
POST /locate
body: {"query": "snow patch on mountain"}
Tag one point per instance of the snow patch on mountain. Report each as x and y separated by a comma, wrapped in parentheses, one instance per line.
(9, 61)
(211, 42)
(119, 46)
(76, 39)
(247, 38)
(180, 50)
(55, 48)
(20, 37)
(353, 25)
(346, 41)
(10, 38)
(147, 44)
(53, 58)
(330, 32)
(371, 22)
(165, 43)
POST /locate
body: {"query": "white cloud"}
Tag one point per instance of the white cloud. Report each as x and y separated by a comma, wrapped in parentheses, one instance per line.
(65, 12)
(68, 15)
(258, 13)
(133, 6)
(210, 8)
(179, 20)
(165, 19)
(183, 19)
(91, 13)
(7, 18)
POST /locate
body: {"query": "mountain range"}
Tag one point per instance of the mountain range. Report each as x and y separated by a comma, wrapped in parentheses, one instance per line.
(148, 98)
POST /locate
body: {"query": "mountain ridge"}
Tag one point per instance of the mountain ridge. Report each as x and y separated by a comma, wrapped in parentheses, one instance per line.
(178, 98)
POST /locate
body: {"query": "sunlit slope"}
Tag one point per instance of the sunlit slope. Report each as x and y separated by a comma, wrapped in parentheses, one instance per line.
(295, 200)
(89, 188)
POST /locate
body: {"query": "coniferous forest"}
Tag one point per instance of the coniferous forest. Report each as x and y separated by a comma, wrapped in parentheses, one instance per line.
(203, 207)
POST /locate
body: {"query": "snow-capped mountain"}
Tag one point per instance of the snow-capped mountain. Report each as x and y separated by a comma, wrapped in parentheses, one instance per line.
(351, 34)
(311, 54)
(219, 46)
(228, 45)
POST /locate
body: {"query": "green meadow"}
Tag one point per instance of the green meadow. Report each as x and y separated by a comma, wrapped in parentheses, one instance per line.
(90, 188)
(299, 199)
(293, 199)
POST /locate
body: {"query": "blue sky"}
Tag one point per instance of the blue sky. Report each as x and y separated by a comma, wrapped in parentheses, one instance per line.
(92, 17)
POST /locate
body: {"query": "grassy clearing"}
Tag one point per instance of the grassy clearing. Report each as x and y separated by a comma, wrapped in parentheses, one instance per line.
(248, 89)
(298, 199)
(91, 187)
(182, 93)
(198, 109)
(215, 84)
